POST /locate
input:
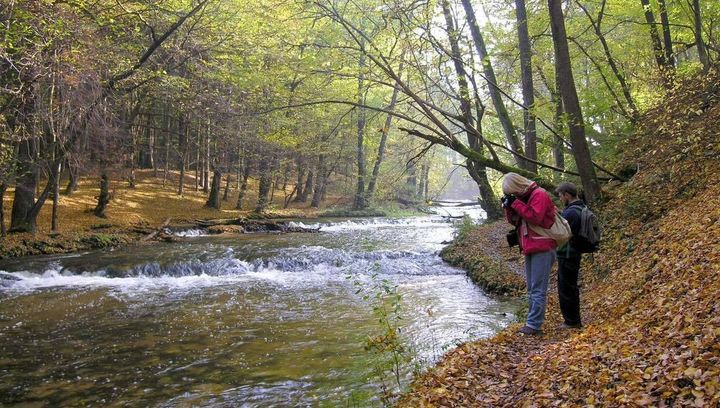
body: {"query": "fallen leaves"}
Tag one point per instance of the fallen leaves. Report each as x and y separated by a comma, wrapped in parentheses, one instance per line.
(650, 298)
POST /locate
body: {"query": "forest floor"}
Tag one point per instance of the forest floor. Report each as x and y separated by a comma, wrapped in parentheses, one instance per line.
(650, 308)
(134, 213)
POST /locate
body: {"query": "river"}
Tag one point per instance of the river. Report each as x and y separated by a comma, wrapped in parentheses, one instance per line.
(255, 320)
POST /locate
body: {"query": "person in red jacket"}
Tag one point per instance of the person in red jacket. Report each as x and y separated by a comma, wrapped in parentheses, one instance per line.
(526, 203)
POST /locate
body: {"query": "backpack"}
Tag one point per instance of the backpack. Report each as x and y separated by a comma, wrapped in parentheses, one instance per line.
(588, 238)
(560, 230)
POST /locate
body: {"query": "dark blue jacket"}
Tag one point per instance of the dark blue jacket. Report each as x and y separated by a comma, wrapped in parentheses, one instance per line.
(572, 215)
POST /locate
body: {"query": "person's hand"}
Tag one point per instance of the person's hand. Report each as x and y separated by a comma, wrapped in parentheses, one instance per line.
(507, 200)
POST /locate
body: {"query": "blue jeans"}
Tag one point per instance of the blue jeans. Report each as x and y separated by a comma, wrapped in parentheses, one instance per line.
(537, 275)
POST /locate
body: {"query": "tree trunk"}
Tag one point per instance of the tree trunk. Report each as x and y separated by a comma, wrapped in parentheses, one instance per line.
(495, 95)
(410, 192)
(183, 147)
(3, 231)
(488, 202)
(104, 197)
(198, 162)
(656, 44)
(319, 183)
(667, 37)
(527, 84)
(206, 172)
(213, 200)
(55, 179)
(700, 44)
(264, 186)
(273, 186)
(580, 149)
(240, 164)
(166, 165)
(360, 201)
(558, 145)
(243, 184)
(72, 179)
(426, 178)
(309, 186)
(227, 188)
(383, 138)
(300, 179)
(25, 186)
(151, 151)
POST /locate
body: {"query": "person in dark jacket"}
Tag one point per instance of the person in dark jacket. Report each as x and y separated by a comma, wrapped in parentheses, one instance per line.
(569, 257)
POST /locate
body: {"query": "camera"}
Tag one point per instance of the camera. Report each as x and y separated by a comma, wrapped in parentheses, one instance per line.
(512, 238)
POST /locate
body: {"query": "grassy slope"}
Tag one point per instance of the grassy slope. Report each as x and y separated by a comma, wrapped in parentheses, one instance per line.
(650, 298)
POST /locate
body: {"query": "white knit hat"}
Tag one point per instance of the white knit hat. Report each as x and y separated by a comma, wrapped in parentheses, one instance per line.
(516, 184)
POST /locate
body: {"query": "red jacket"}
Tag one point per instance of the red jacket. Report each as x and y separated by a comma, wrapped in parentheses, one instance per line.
(537, 208)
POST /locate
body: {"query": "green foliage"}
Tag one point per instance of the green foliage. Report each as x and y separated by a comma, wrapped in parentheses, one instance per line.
(99, 240)
(464, 228)
(391, 355)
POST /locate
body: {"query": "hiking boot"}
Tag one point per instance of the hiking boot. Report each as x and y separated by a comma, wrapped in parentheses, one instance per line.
(570, 326)
(528, 330)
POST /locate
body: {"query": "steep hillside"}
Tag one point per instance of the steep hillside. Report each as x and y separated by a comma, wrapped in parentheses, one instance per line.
(651, 297)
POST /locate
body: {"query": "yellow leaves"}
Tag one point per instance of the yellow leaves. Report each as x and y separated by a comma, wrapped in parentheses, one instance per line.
(440, 390)
(692, 372)
(644, 401)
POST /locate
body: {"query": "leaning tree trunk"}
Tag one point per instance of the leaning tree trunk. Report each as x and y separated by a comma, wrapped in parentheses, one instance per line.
(580, 148)
(104, 197)
(527, 84)
(478, 172)
(493, 88)
(383, 137)
(213, 200)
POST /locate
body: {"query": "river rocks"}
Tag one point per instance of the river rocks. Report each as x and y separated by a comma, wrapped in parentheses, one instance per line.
(238, 226)
(225, 229)
(7, 279)
(273, 226)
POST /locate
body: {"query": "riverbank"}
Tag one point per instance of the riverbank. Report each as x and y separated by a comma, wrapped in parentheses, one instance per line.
(649, 298)
(138, 215)
(483, 252)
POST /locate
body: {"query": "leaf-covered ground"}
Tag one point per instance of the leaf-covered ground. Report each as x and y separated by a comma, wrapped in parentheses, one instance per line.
(132, 213)
(651, 297)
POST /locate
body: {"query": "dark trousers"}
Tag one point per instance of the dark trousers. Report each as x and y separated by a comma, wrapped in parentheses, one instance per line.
(568, 271)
